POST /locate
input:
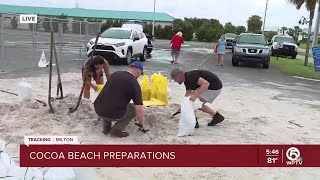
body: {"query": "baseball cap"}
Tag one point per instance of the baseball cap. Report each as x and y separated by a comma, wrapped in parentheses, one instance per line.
(137, 64)
(175, 72)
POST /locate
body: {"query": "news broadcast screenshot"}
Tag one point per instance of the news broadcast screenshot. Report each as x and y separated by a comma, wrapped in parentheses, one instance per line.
(159, 89)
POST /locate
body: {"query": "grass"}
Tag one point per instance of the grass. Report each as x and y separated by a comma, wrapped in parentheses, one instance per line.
(303, 54)
(295, 67)
(303, 46)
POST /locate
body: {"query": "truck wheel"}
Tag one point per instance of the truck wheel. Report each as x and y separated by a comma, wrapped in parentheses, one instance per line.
(144, 55)
(293, 56)
(266, 65)
(234, 63)
(128, 58)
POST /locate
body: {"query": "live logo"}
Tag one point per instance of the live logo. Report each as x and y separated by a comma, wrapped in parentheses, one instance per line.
(28, 18)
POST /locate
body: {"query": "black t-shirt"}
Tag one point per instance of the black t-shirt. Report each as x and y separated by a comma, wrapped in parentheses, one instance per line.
(192, 77)
(120, 88)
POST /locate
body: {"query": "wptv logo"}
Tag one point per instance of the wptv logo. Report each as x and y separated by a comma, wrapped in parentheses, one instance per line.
(294, 156)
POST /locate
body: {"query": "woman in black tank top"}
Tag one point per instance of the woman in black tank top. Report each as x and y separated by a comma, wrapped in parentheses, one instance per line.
(94, 69)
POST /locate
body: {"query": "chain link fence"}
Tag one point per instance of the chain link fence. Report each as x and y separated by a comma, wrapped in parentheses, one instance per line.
(26, 42)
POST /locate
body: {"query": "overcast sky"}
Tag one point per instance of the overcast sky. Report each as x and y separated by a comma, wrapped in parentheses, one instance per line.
(279, 13)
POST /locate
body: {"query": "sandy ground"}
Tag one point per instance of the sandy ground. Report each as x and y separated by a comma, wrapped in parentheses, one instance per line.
(254, 115)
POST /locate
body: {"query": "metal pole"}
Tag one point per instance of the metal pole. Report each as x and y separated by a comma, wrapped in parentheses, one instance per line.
(33, 41)
(60, 29)
(80, 42)
(154, 16)
(2, 38)
(316, 28)
(265, 15)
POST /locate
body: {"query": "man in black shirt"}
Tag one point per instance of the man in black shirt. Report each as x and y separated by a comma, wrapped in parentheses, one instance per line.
(113, 103)
(203, 85)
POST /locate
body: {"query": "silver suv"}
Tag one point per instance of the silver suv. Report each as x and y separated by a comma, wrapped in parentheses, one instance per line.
(252, 48)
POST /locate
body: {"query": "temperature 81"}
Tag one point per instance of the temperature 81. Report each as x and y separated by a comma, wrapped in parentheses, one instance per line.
(272, 160)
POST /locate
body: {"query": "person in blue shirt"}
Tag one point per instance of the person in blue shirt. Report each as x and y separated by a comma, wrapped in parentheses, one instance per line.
(221, 49)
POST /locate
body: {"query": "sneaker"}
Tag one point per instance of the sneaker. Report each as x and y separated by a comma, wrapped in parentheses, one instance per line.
(197, 124)
(217, 118)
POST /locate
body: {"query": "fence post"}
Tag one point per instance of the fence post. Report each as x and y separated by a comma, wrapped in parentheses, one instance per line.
(60, 29)
(33, 41)
(80, 41)
(2, 40)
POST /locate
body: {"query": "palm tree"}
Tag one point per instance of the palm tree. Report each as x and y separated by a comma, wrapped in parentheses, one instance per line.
(310, 5)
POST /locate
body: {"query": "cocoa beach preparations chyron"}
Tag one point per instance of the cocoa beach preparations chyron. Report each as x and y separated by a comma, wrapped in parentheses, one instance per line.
(103, 155)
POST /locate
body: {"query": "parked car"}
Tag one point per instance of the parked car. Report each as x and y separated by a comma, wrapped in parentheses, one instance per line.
(137, 24)
(283, 45)
(253, 48)
(230, 38)
(120, 44)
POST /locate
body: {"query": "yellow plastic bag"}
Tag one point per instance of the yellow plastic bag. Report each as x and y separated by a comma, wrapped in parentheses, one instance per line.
(145, 88)
(154, 87)
(159, 88)
(100, 87)
(162, 93)
(154, 102)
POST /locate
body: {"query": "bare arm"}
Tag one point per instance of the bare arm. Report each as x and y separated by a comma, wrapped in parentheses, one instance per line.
(140, 115)
(188, 93)
(106, 68)
(204, 85)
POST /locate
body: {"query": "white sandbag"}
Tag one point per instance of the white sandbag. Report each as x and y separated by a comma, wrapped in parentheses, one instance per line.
(60, 174)
(85, 173)
(187, 120)
(25, 90)
(25, 173)
(6, 160)
(2, 146)
(16, 172)
(3, 170)
(197, 104)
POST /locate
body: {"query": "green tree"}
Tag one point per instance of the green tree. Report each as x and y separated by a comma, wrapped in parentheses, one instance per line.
(310, 5)
(158, 32)
(14, 23)
(185, 27)
(254, 24)
(148, 28)
(240, 29)
(167, 32)
(269, 34)
(229, 28)
(295, 32)
(210, 31)
(283, 30)
(196, 23)
(106, 25)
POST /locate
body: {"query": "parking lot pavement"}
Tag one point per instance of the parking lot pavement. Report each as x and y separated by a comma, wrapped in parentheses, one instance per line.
(193, 55)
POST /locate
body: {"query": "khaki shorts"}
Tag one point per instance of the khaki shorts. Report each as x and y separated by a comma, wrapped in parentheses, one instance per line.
(211, 95)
